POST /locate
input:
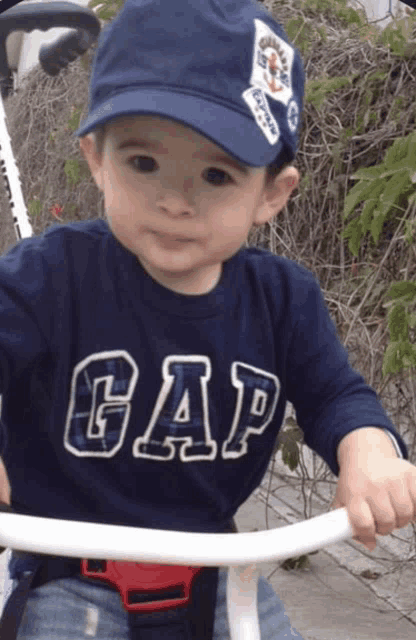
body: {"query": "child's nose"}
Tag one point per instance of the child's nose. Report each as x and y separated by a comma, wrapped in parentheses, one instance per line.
(176, 202)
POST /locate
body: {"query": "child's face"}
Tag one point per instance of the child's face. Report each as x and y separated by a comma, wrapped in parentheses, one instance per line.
(174, 203)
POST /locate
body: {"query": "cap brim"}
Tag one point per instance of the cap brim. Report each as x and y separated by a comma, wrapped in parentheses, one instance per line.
(227, 128)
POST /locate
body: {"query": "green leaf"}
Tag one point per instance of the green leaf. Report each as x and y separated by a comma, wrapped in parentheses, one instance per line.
(401, 168)
(73, 122)
(389, 200)
(299, 562)
(290, 455)
(354, 233)
(368, 173)
(316, 91)
(391, 360)
(108, 9)
(292, 426)
(288, 441)
(397, 323)
(367, 215)
(34, 207)
(294, 27)
(369, 207)
(377, 225)
(359, 192)
(408, 353)
(395, 187)
(411, 149)
(398, 356)
(393, 191)
(72, 171)
(406, 291)
(396, 153)
(393, 37)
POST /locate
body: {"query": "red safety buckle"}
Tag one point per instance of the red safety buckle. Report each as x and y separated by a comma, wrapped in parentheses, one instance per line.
(145, 587)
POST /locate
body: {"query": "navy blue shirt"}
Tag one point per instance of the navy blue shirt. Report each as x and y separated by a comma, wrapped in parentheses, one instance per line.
(127, 403)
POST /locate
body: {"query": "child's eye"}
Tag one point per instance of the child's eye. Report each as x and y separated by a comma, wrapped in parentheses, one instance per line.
(146, 164)
(217, 176)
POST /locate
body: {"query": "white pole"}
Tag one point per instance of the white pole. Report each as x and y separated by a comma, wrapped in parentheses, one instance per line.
(11, 177)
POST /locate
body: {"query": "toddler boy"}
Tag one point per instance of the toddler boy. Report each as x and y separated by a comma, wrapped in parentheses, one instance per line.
(146, 359)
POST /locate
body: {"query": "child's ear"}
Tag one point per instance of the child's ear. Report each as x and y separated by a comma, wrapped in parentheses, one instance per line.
(276, 194)
(88, 150)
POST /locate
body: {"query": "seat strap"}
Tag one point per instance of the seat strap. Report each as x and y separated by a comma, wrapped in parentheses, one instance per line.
(15, 605)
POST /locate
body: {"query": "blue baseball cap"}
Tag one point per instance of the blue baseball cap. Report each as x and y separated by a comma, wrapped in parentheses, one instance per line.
(225, 68)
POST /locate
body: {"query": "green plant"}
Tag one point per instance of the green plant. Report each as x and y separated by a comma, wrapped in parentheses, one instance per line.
(299, 562)
(108, 9)
(72, 171)
(372, 84)
(303, 34)
(316, 91)
(397, 36)
(386, 189)
(34, 207)
(400, 353)
(347, 16)
(289, 441)
(74, 120)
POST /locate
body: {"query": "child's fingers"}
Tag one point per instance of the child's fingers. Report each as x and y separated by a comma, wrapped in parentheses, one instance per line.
(380, 515)
(362, 521)
(404, 510)
(368, 520)
(379, 498)
(393, 507)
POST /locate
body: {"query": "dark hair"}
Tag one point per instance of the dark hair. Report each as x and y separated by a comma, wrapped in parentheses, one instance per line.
(272, 169)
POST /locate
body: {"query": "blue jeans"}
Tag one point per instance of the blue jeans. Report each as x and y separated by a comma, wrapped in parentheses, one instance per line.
(76, 608)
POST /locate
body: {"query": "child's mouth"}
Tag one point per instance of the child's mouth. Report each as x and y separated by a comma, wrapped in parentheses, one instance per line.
(171, 238)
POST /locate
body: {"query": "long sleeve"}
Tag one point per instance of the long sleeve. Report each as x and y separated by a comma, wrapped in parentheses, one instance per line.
(329, 396)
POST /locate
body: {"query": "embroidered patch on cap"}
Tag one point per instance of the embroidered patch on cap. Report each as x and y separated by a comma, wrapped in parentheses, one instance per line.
(271, 76)
(272, 64)
(259, 107)
(293, 116)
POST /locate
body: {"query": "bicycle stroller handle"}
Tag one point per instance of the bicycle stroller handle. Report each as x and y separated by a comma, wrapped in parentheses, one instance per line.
(53, 57)
(114, 542)
(56, 56)
(44, 16)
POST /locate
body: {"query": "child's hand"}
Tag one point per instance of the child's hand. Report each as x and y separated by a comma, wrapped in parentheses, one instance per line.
(379, 493)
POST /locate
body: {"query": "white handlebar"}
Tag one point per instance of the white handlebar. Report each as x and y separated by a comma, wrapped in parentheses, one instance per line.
(237, 551)
(115, 542)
